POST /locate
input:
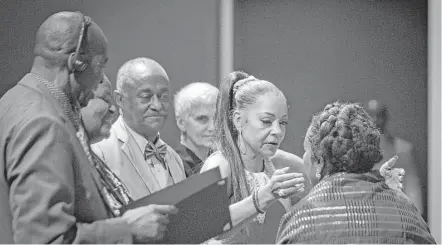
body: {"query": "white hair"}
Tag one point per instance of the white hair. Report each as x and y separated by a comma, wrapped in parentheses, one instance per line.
(194, 95)
(135, 69)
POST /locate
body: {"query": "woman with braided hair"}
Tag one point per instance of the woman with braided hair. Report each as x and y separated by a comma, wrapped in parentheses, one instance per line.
(349, 203)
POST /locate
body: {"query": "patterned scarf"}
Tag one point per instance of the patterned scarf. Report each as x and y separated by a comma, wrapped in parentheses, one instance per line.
(115, 194)
(354, 208)
(114, 191)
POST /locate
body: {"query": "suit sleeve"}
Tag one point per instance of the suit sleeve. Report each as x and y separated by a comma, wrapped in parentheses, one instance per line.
(42, 193)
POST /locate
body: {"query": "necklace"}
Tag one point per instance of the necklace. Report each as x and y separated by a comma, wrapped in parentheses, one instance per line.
(71, 111)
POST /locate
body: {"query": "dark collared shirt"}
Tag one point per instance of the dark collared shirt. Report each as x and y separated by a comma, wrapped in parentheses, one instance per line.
(192, 163)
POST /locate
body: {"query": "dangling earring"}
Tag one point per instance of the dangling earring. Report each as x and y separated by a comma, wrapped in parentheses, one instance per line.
(240, 142)
(318, 173)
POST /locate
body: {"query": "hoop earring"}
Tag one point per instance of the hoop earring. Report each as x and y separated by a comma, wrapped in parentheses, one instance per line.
(240, 142)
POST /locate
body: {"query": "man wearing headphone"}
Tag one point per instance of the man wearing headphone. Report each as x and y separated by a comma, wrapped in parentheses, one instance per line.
(50, 191)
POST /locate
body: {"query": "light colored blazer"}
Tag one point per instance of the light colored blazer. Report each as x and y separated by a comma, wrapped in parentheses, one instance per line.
(121, 152)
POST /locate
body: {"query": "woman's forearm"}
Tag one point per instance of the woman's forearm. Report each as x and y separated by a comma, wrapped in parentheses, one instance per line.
(244, 211)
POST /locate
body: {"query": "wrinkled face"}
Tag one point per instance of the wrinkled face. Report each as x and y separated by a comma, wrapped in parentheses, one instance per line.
(145, 104)
(264, 124)
(199, 125)
(99, 114)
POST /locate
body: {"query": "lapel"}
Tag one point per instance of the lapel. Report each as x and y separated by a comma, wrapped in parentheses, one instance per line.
(132, 151)
(123, 136)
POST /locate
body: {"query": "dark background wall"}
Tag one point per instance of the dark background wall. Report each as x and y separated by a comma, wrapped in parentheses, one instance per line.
(319, 51)
(182, 35)
(316, 51)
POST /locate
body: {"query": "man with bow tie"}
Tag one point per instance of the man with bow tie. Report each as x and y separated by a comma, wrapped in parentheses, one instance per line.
(134, 151)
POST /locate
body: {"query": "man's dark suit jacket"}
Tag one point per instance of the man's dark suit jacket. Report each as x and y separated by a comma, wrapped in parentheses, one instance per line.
(49, 193)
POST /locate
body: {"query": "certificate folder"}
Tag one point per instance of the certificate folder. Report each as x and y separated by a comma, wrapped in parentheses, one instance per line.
(203, 208)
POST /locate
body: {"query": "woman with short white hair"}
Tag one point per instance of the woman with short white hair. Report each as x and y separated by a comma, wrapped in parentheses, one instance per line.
(195, 106)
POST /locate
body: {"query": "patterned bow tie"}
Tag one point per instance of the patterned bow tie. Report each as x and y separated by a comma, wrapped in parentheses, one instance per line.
(159, 153)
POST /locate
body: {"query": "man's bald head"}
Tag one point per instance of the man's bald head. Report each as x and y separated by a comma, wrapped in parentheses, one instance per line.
(138, 69)
(58, 36)
(143, 96)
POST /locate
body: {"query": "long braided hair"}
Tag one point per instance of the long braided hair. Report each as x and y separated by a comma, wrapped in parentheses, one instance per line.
(237, 91)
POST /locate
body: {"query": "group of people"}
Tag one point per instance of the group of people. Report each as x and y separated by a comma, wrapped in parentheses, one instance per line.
(71, 159)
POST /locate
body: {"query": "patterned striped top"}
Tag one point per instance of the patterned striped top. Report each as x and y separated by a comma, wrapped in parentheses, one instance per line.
(354, 208)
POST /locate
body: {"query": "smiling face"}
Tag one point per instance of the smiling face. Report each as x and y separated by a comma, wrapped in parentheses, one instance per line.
(264, 123)
(145, 104)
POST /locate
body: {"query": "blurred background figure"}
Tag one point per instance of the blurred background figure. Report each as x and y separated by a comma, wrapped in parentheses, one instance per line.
(392, 145)
(194, 111)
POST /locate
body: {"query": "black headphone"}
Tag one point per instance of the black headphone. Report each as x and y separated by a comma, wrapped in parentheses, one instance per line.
(75, 64)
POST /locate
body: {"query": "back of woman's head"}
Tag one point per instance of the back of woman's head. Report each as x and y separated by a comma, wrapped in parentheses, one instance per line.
(346, 138)
(237, 91)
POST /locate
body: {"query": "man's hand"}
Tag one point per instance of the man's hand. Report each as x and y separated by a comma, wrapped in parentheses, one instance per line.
(149, 223)
(394, 177)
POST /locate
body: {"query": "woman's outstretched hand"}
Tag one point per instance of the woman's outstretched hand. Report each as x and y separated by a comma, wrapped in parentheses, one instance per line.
(394, 177)
(283, 184)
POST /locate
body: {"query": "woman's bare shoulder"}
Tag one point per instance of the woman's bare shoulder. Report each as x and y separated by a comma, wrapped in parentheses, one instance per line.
(217, 159)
